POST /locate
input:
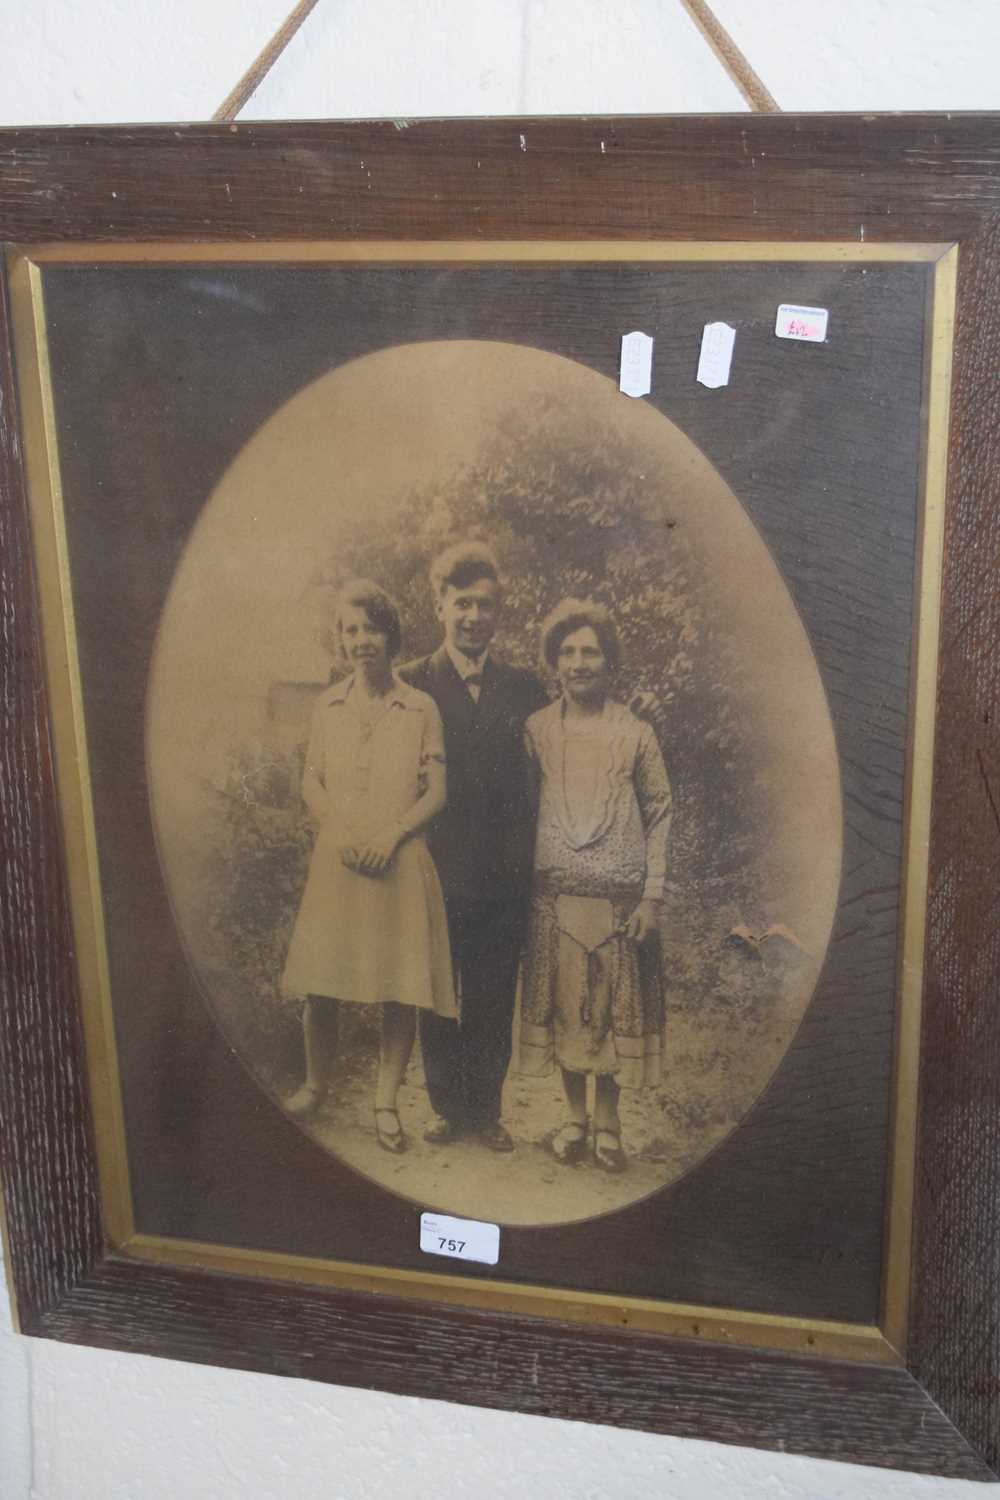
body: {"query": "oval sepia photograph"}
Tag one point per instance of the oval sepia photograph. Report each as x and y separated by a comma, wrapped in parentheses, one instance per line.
(494, 783)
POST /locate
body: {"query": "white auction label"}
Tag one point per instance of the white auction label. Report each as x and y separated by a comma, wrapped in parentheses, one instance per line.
(716, 354)
(807, 323)
(636, 374)
(462, 1239)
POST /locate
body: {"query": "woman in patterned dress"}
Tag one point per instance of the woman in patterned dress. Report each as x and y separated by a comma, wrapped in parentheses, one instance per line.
(592, 997)
(372, 927)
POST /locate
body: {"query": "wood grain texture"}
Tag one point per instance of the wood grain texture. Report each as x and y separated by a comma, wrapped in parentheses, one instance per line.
(46, 1161)
(871, 1414)
(893, 178)
(730, 177)
(956, 1318)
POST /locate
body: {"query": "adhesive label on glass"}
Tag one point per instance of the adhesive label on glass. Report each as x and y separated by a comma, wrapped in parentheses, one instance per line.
(636, 374)
(461, 1239)
(807, 323)
(716, 354)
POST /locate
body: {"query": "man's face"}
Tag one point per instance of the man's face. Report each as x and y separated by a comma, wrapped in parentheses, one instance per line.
(469, 615)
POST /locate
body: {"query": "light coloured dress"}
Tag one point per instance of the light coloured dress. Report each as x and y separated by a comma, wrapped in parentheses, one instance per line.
(592, 999)
(372, 938)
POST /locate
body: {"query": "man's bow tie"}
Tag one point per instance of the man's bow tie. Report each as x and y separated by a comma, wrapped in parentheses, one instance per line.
(474, 679)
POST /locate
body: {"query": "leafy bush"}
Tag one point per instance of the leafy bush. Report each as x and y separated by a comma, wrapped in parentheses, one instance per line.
(566, 514)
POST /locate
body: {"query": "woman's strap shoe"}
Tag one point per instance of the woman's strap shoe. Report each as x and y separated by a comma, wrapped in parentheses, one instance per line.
(569, 1144)
(389, 1131)
(608, 1151)
(305, 1101)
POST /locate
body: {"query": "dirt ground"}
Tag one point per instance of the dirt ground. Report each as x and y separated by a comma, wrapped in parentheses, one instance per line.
(525, 1186)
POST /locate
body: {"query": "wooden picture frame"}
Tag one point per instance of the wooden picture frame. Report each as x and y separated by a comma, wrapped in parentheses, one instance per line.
(915, 1388)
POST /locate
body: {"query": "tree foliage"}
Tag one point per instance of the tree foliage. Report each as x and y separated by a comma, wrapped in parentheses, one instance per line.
(568, 512)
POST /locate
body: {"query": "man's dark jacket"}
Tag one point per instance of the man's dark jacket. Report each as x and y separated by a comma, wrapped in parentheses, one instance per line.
(483, 841)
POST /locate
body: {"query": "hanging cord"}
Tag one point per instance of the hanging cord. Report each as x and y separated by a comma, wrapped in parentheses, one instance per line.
(264, 61)
(715, 34)
(731, 58)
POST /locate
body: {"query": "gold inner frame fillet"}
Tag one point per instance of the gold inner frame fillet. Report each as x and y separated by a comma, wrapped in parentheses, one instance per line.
(883, 1342)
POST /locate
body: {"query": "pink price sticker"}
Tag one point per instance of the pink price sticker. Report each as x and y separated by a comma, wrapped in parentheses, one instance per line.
(805, 323)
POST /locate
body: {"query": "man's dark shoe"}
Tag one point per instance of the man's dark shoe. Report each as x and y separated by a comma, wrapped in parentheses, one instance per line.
(443, 1132)
(495, 1138)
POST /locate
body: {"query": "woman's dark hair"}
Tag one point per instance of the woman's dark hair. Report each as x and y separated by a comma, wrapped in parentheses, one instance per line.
(362, 593)
(574, 614)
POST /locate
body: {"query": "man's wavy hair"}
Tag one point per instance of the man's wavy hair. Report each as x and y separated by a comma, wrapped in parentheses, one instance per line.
(463, 564)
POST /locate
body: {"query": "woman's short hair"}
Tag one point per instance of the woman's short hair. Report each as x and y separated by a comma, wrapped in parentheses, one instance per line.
(462, 564)
(575, 614)
(381, 609)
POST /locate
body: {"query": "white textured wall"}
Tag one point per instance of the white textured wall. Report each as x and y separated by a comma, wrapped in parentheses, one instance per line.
(80, 1424)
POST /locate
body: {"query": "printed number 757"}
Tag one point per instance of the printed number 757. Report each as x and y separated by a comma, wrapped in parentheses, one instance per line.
(455, 1246)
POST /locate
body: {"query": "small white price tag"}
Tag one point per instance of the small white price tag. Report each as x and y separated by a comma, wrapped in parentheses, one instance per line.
(716, 354)
(636, 374)
(462, 1239)
(807, 323)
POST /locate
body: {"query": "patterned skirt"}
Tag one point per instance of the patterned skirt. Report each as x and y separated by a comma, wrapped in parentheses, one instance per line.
(592, 999)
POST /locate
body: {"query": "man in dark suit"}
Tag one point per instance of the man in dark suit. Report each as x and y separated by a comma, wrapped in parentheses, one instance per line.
(483, 844)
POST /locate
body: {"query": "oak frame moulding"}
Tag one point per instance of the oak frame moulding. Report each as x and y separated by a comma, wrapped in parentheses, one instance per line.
(917, 1387)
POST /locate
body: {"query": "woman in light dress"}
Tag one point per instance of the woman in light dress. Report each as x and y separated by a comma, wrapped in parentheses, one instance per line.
(371, 927)
(592, 998)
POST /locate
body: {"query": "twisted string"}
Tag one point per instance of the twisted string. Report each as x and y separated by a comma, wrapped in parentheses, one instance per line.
(731, 58)
(711, 28)
(264, 61)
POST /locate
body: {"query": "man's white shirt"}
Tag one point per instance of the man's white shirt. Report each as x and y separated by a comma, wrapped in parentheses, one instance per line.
(466, 668)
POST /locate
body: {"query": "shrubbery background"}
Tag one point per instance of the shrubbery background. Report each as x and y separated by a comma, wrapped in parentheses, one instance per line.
(566, 517)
